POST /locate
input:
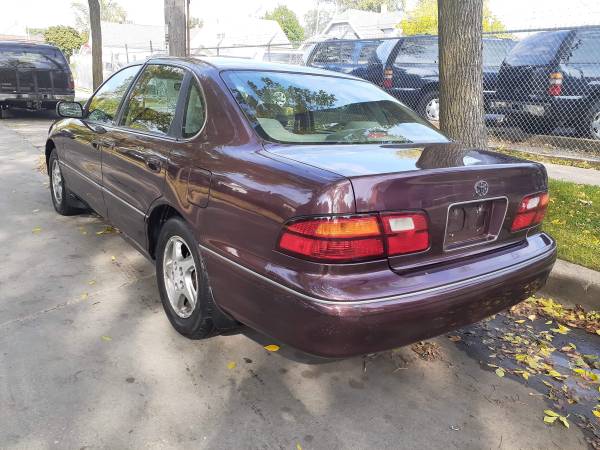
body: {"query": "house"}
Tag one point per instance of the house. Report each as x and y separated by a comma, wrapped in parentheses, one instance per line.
(245, 37)
(122, 43)
(357, 24)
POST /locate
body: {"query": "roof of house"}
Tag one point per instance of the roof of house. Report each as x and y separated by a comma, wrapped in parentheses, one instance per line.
(133, 34)
(365, 24)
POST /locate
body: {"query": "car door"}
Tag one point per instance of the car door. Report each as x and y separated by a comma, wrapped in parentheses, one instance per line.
(80, 149)
(133, 169)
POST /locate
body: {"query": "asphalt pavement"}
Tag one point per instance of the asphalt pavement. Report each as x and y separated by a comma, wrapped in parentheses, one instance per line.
(89, 360)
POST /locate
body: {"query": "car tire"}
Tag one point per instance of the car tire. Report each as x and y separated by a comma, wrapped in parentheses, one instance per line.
(429, 106)
(181, 273)
(593, 121)
(63, 199)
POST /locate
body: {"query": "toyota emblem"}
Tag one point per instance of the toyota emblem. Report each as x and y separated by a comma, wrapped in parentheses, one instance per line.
(481, 188)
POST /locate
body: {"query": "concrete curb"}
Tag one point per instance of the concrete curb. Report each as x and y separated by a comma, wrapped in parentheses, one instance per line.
(574, 284)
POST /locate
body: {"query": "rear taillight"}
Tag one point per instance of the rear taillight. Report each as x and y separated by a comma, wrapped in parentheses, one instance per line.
(388, 74)
(555, 80)
(531, 211)
(355, 238)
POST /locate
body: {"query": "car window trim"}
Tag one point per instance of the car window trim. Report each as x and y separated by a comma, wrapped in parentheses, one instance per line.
(190, 82)
(127, 97)
(89, 100)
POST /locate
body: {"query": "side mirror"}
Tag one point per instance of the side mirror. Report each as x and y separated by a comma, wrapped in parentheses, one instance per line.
(69, 109)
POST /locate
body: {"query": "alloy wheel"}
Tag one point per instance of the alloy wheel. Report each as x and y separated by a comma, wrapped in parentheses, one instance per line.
(595, 125)
(180, 277)
(57, 182)
(432, 110)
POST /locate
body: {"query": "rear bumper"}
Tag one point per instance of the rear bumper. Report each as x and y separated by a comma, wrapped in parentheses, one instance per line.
(28, 100)
(559, 110)
(334, 328)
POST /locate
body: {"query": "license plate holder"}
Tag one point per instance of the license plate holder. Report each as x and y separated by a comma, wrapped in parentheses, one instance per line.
(474, 222)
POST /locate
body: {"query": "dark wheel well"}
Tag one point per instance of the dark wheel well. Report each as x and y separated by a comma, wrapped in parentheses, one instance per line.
(49, 147)
(157, 219)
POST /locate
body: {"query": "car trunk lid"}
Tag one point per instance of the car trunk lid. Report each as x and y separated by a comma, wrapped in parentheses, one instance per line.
(470, 196)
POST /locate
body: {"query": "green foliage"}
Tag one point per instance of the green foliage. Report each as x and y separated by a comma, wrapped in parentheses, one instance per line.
(310, 19)
(68, 39)
(371, 5)
(288, 22)
(423, 19)
(110, 11)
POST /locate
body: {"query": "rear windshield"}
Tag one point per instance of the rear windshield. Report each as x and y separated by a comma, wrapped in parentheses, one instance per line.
(539, 49)
(317, 109)
(32, 58)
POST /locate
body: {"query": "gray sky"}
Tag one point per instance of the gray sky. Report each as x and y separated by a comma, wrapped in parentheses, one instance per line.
(16, 14)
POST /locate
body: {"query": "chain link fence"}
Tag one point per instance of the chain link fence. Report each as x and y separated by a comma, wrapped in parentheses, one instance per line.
(541, 87)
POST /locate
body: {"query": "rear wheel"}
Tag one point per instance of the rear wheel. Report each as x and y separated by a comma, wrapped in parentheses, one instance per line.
(593, 121)
(429, 106)
(183, 281)
(62, 199)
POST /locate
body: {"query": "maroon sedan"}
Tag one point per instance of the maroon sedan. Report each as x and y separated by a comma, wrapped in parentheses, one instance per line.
(307, 204)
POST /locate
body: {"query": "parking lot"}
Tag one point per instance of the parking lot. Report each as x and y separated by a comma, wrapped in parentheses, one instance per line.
(89, 360)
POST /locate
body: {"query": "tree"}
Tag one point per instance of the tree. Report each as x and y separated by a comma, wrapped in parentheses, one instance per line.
(461, 71)
(423, 19)
(371, 5)
(95, 26)
(313, 26)
(110, 11)
(68, 39)
(287, 20)
(176, 26)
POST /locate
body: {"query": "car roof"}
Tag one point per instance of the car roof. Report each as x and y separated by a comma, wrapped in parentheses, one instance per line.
(26, 44)
(233, 63)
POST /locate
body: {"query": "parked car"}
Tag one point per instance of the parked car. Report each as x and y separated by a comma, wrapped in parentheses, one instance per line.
(552, 79)
(306, 204)
(283, 56)
(405, 67)
(33, 76)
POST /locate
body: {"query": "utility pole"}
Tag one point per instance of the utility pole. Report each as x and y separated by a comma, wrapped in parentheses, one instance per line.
(96, 32)
(176, 26)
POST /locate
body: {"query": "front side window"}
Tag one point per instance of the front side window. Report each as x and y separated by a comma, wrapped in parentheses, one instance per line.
(194, 112)
(104, 105)
(153, 99)
(317, 109)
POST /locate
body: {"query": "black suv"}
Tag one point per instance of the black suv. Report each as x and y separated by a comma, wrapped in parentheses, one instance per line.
(33, 76)
(552, 79)
(406, 67)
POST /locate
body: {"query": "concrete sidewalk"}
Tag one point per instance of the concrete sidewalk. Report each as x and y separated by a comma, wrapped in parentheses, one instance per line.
(573, 174)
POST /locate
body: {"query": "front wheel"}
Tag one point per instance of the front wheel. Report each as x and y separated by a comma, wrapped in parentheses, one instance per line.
(593, 121)
(183, 281)
(62, 199)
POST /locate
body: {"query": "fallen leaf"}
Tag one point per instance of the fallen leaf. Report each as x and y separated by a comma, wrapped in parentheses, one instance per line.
(36, 230)
(549, 419)
(596, 412)
(113, 258)
(455, 338)
(271, 347)
(231, 365)
(564, 421)
(551, 413)
(92, 282)
(561, 329)
(298, 447)
(532, 317)
(84, 296)
(106, 338)
(549, 322)
(500, 372)
(520, 321)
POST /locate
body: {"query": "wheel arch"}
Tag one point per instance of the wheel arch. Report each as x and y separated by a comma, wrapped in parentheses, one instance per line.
(159, 214)
(50, 145)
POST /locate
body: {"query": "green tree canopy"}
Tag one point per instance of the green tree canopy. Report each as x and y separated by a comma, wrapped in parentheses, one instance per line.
(288, 22)
(110, 11)
(68, 39)
(423, 19)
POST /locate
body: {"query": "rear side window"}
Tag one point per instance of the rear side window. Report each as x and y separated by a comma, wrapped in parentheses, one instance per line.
(195, 112)
(585, 48)
(367, 51)
(539, 49)
(104, 105)
(153, 100)
(418, 51)
(334, 53)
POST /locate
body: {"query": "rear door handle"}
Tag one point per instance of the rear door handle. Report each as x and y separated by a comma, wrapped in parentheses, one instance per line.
(153, 163)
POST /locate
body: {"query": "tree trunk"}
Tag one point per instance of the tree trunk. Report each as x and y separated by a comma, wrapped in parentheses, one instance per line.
(461, 73)
(176, 26)
(96, 32)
